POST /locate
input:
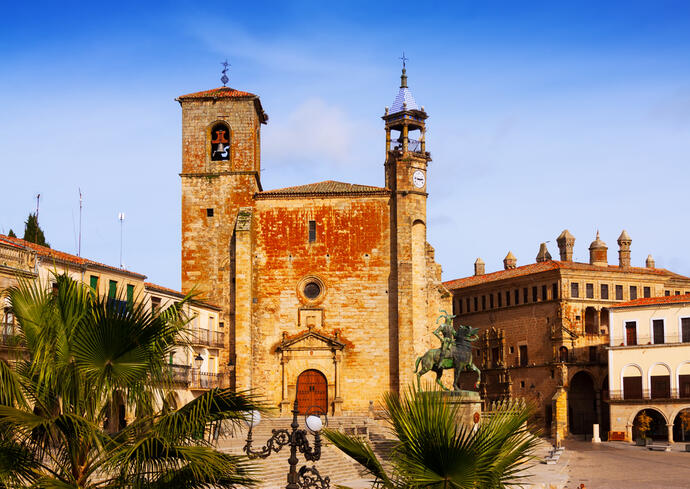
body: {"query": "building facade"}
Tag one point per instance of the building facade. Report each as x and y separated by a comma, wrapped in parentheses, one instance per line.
(545, 327)
(649, 367)
(330, 283)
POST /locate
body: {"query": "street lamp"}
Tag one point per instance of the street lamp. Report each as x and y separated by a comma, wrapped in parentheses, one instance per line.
(198, 360)
(306, 477)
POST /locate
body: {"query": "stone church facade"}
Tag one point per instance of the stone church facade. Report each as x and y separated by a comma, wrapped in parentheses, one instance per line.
(330, 283)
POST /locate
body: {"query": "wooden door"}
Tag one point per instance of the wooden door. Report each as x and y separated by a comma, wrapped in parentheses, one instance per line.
(312, 392)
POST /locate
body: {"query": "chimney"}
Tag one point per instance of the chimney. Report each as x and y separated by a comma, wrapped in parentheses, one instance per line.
(543, 254)
(650, 262)
(509, 261)
(479, 267)
(624, 242)
(598, 252)
(566, 242)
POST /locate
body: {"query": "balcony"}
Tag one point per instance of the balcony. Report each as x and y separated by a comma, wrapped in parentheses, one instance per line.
(671, 338)
(9, 336)
(201, 336)
(179, 373)
(644, 396)
(205, 380)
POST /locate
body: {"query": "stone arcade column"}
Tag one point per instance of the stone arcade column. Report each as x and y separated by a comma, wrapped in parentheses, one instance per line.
(284, 401)
(669, 427)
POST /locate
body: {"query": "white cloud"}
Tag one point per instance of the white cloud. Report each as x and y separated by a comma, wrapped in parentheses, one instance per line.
(314, 131)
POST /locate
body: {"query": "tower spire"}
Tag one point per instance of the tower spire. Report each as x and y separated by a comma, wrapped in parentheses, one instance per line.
(403, 76)
(225, 78)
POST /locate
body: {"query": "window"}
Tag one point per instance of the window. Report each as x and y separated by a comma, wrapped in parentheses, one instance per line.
(209, 212)
(604, 291)
(211, 323)
(220, 142)
(491, 301)
(483, 303)
(517, 296)
(554, 291)
(467, 304)
(630, 333)
(459, 306)
(685, 330)
(563, 354)
(507, 297)
(476, 304)
(592, 353)
(632, 387)
(495, 356)
(658, 331)
(221, 325)
(619, 292)
(312, 231)
(112, 289)
(312, 290)
(633, 292)
(130, 293)
(589, 291)
(93, 282)
(647, 292)
(677, 292)
(525, 297)
(499, 296)
(523, 355)
(543, 293)
(574, 289)
(534, 294)
(155, 304)
(667, 293)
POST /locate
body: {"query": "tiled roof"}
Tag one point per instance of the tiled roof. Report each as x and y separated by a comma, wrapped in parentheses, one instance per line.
(221, 92)
(177, 293)
(405, 97)
(654, 301)
(61, 256)
(534, 268)
(328, 187)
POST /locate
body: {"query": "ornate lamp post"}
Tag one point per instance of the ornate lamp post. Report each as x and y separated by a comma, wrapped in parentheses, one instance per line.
(306, 477)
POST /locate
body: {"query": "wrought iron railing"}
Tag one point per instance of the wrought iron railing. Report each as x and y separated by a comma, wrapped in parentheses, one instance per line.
(9, 336)
(669, 338)
(205, 380)
(646, 394)
(180, 373)
(202, 336)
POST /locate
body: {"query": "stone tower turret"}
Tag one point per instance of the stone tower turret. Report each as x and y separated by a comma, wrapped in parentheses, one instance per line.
(509, 261)
(479, 267)
(650, 262)
(598, 252)
(566, 242)
(406, 172)
(624, 243)
(543, 254)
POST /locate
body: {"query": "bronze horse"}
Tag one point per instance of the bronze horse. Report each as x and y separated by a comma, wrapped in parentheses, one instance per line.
(460, 358)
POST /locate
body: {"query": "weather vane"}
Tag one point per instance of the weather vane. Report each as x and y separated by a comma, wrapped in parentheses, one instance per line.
(404, 59)
(225, 78)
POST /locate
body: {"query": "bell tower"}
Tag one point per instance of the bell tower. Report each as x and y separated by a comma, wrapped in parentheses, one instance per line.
(406, 173)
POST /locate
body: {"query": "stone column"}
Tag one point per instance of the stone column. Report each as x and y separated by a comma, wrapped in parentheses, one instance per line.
(338, 401)
(669, 427)
(628, 432)
(284, 401)
(597, 396)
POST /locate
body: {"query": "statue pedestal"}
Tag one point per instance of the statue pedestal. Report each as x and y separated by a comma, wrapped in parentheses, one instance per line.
(469, 405)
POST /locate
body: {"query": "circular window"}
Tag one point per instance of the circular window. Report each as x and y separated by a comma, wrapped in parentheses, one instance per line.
(312, 290)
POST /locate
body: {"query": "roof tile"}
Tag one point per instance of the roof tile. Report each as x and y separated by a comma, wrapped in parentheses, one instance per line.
(328, 187)
(649, 301)
(220, 92)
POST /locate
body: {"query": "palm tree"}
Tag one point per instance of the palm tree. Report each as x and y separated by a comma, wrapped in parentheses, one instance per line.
(57, 399)
(434, 451)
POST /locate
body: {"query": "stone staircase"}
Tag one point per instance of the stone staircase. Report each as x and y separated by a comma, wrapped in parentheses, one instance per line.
(341, 469)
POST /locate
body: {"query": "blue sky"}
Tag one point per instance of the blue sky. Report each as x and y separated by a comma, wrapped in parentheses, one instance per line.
(543, 116)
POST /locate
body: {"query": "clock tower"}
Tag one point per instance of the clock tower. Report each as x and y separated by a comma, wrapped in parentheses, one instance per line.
(406, 177)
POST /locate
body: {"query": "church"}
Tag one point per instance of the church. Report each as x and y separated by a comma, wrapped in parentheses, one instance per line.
(328, 291)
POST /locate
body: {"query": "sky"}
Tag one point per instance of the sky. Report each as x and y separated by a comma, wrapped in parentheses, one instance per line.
(542, 116)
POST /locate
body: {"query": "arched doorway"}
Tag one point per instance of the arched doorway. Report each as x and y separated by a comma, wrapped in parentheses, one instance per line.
(681, 426)
(657, 425)
(312, 392)
(582, 404)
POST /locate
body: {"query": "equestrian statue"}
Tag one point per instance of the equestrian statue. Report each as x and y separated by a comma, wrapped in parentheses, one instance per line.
(455, 352)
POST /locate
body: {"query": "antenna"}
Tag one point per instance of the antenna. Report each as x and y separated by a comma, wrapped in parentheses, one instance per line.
(121, 217)
(38, 199)
(79, 247)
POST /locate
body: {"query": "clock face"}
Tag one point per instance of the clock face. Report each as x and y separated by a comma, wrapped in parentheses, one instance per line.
(418, 179)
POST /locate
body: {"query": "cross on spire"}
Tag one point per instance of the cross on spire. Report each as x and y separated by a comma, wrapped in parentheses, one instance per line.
(404, 59)
(225, 78)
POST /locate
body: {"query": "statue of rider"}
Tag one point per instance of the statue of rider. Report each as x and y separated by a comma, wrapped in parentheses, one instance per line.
(446, 334)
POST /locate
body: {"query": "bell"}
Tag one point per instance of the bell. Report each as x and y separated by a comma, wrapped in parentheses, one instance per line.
(220, 148)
